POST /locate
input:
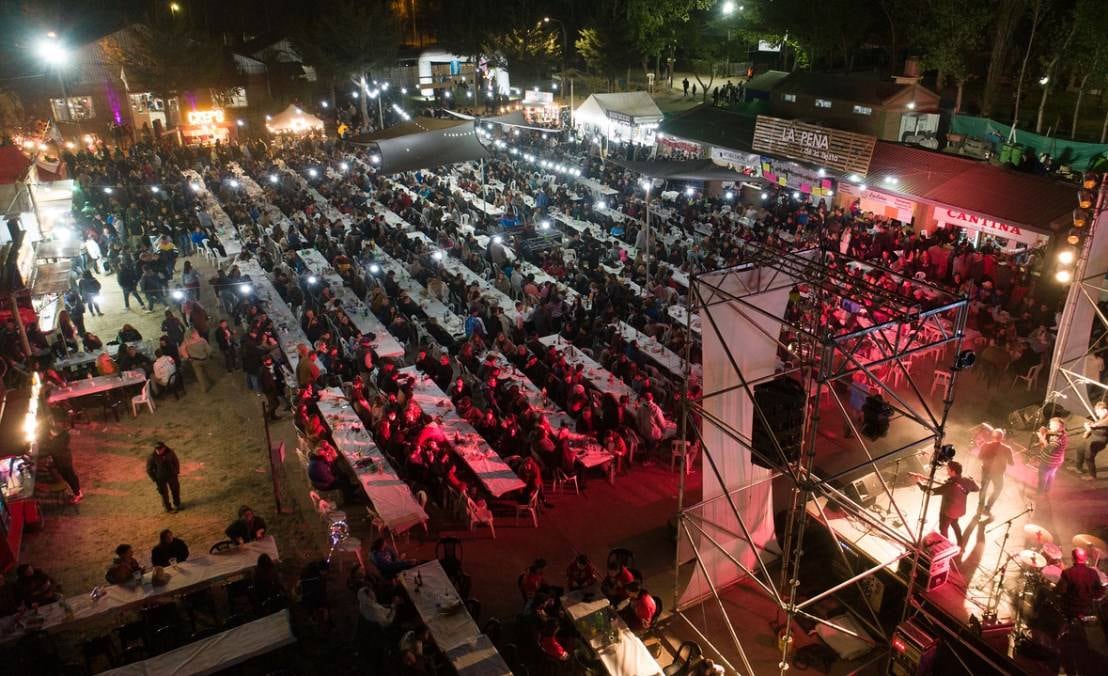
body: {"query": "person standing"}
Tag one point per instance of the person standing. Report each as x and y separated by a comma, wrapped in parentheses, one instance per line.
(225, 339)
(685, 87)
(995, 456)
(163, 468)
(1096, 431)
(270, 387)
(56, 446)
(89, 287)
(953, 492)
(1054, 441)
(198, 351)
(128, 279)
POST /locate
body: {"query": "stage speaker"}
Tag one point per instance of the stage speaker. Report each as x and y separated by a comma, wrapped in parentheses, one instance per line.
(934, 562)
(1035, 416)
(913, 651)
(783, 402)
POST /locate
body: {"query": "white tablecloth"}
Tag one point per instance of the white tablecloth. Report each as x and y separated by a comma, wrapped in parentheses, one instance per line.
(456, 267)
(554, 415)
(655, 351)
(218, 652)
(196, 571)
(439, 605)
(627, 656)
(285, 323)
(681, 315)
(431, 306)
(391, 497)
(477, 657)
(82, 387)
(495, 474)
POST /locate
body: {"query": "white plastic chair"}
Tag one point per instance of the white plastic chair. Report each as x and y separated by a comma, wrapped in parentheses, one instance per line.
(679, 450)
(942, 380)
(479, 515)
(142, 398)
(561, 479)
(531, 507)
(1031, 377)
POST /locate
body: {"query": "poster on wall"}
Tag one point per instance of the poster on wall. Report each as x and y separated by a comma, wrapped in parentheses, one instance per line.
(889, 206)
(792, 175)
(738, 161)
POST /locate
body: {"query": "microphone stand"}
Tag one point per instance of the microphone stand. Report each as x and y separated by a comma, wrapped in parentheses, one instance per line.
(1001, 564)
(892, 487)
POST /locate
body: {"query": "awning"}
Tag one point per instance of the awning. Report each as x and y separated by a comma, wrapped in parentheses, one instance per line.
(56, 249)
(52, 278)
(430, 149)
(689, 170)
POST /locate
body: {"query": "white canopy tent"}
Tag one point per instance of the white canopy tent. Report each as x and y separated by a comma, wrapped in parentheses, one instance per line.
(623, 116)
(293, 120)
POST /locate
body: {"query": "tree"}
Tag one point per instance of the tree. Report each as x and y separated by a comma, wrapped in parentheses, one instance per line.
(11, 112)
(166, 56)
(1062, 28)
(606, 51)
(530, 53)
(349, 40)
(951, 33)
(1008, 14)
(1088, 61)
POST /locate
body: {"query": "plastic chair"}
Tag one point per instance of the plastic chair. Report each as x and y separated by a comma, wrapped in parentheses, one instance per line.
(561, 479)
(679, 450)
(942, 380)
(687, 652)
(621, 556)
(1031, 377)
(532, 507)
(477, 515)
(142, 398)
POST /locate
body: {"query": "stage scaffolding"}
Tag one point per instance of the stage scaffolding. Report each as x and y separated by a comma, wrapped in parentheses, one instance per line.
(907, 318)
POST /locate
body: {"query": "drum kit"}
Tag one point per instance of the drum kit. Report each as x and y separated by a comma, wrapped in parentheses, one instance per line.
(1041, 566)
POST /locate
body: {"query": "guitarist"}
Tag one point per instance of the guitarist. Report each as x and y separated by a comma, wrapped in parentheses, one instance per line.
(953, 491)
(1096, 432)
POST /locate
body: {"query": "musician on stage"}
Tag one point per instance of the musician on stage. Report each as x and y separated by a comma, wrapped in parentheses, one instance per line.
(1054, 442)
(1079, 587)
(995, 456)
(953, 491)
(1096, 431)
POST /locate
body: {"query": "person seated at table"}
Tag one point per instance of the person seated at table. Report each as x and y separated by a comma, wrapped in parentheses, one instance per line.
(168, 548)
(387, 559)
(326, 475)
(414, 649)
(459, 390)
(550, 643)
(34, 587)
(425, 363)
(128, 334)
(581, 573)
(265, 580)
(642, 609)
(614, 584)
(567, 460)
(247, 528)
(131, 359)
(105, 365)
(615, 444)
(124, 567)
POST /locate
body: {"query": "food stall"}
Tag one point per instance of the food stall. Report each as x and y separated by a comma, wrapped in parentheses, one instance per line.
(539, 108)
(293, 120)
(205, 127)
(19, 431)
(630, 117)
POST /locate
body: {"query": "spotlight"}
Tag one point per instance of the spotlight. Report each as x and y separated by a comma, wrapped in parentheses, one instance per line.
(437, 255)
(690, 192)
(245, 289)
(233, 183)
(945, 454)
(107, 191)
(1063, 276)
(498, 239)
(765, 196)
(374, 268)
(241, 123)
(154, 189)
(313, 173)
(312, 279)
(728, 195)
(601, 206)
(965, 359)
(376, 159)
(822, 172)
(344, 166)
(545, 225)
(1067, 256)
(323, 103)
(178, 294)
(273, 178)
(796, 195)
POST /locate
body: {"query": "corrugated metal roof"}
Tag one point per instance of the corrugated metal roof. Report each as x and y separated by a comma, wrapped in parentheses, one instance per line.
(971, 185)
(849, 88)
(712, 126)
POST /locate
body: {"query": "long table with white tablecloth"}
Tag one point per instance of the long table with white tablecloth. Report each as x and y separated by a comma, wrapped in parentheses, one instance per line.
(495, 474)
(391, 497)
(285, 323)
(625, 654)
(83, 387)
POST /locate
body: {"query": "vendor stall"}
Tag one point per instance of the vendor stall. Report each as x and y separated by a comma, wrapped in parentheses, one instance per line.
(629, 117)
(539, 108)
(294, 120)
(205, 127)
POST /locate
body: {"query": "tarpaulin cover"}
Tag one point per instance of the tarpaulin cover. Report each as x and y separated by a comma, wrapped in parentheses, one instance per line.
(430, 149)
(1073, 153)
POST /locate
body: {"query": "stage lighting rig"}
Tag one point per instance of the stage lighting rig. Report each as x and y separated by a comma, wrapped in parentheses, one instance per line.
(965, 359)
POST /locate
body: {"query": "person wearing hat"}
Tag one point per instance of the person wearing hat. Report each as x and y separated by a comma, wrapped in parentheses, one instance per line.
(163, 468)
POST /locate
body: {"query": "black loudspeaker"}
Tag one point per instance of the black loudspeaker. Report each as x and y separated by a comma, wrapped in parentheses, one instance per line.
(865, 490)
(1035, 416)
(913, 651)
(782, 401)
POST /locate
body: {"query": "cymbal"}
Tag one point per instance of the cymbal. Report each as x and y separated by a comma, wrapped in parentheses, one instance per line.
(1038, 532)
(1089, 542)
(1031, 559)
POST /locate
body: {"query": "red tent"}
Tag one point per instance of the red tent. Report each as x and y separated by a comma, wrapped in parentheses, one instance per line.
(13, 164)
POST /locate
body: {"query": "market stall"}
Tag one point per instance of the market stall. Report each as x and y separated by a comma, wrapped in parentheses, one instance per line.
(629, 117)
(205, 127)
(293, 120)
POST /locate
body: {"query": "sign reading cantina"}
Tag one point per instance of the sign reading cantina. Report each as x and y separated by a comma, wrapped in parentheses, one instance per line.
(842, 151)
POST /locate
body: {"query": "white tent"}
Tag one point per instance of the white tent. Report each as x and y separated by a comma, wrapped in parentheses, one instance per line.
(628, 116)
(293, 120)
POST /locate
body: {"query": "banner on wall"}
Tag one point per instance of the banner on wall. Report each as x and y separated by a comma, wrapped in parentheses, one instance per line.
(889, 206)
(792, 175)
(962, 219)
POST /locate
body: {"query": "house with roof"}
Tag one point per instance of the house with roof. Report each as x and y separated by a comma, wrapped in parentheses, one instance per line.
(891, 110)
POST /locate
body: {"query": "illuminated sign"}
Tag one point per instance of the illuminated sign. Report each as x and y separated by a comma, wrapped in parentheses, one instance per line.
(840, 150)
(206, 116)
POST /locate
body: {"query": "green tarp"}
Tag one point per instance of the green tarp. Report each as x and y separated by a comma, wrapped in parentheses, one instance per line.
(1073, 153)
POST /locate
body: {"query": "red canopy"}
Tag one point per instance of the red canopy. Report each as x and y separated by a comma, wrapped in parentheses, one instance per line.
(13, 164)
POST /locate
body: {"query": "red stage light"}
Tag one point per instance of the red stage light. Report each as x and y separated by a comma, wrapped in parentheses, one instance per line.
(899, 645)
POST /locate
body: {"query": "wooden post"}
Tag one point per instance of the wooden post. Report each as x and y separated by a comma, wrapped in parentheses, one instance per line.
(276, 460)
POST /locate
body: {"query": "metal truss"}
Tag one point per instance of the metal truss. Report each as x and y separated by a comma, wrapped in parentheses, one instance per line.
(1078, 338)
(905, 318)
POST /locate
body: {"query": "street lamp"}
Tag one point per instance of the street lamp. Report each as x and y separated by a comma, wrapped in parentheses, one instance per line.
(565, 49)
(174, 7)
(55, 55)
